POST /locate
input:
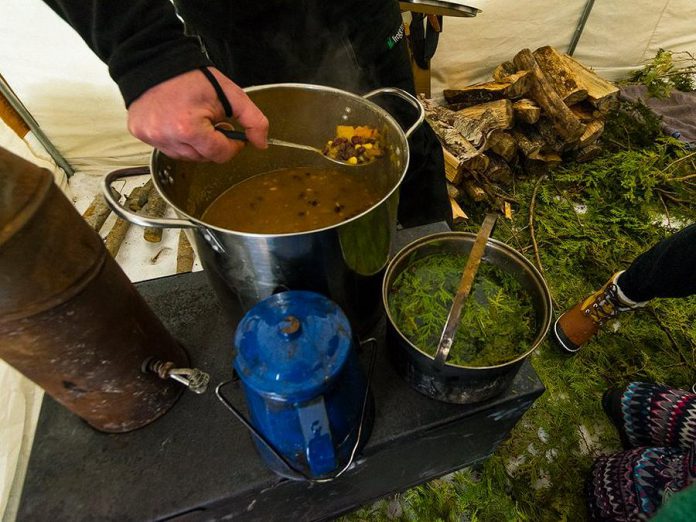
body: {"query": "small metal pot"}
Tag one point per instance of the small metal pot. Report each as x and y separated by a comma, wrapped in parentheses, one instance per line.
(453, 383)
(345, 261)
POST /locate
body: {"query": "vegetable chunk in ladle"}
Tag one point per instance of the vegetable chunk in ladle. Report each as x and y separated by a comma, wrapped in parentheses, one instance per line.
(352, 146)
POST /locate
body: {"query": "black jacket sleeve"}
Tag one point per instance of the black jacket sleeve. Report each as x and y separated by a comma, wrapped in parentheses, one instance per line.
(142, 41)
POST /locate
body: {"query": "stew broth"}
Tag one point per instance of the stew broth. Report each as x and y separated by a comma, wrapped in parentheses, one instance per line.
(291, 200)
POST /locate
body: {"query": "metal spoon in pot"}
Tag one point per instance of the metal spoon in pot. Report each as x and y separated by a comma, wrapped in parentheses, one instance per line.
(241, 136)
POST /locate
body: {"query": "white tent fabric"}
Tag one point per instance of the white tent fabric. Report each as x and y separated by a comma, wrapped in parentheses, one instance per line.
(619, 36)
(68, 91)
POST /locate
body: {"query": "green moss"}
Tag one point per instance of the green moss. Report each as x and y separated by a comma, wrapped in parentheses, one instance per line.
(497, 322)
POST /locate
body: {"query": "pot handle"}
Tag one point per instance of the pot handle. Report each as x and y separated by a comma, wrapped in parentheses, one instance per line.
(132, 217)
(412, 100)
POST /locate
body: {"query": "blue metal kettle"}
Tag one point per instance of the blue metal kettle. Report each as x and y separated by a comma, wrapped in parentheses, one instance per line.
(306, 393)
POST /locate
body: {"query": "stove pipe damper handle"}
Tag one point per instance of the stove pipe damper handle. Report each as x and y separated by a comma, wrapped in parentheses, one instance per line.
(70, 319)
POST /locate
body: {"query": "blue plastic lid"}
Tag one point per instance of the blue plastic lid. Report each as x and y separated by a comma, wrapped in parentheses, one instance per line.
(292, 344)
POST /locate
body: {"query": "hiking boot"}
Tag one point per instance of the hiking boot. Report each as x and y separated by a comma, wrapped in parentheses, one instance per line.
(579, 324)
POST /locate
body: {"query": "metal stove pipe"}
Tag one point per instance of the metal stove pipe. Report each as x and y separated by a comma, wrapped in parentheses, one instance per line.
(70, 320)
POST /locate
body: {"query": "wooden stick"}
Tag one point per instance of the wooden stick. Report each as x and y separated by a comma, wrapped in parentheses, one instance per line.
(185, 255)
(97, 212)
(532, 207)
(118, 232)
(156, 207)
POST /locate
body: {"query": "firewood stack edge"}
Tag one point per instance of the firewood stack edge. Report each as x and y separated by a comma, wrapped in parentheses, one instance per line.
(541, 108)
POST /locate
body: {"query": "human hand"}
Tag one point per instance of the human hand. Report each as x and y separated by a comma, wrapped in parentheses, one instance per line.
(178, 116)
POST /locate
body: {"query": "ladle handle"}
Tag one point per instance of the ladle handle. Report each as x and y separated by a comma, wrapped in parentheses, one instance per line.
(132, 217)
(465, 284)
(232, 134)
(412, 100)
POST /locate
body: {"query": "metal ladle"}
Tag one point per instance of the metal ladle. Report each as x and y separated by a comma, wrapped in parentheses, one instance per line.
(241, 136)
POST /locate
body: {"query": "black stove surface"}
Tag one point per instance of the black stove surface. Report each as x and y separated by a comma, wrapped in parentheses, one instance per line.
(198, 463)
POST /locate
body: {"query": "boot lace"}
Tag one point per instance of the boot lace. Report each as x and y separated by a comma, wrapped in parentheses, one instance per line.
(603, 305)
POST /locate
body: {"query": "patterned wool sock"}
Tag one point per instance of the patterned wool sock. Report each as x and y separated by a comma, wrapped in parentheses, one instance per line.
(648, 414)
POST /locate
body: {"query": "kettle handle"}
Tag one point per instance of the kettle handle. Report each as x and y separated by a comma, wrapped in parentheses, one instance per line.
(319, 448)
(295, 473)
(412, 100)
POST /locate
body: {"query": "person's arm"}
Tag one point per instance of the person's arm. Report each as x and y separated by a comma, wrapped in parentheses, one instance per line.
(171, 105)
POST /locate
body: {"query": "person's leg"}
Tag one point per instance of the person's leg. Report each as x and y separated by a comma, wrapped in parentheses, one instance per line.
(668, 269)
(652, 415)
(633, 484)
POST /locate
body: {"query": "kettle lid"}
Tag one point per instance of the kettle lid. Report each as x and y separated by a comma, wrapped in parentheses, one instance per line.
(292, 344)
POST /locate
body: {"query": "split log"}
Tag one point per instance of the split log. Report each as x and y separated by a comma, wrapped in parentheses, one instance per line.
(514, 86)
(503, 144)
(118, 232)
(140, 196)
(585, 112)
(453, 191)
(156, 207)
(551, 159)
(565, 122)
(458, 214)
(475, 124)
(526, 110)
(185, 254)
(588, 153)
(592, 133)
(97, 212)
(466, 156)
(497, 114)
(453, 172)
(529, 142)
(474, 192)
(498, 170)
(504, 70)
(601, 93)
(552, 142)
(560, 76)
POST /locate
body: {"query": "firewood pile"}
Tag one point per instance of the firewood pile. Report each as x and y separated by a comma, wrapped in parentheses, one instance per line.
(541, 108)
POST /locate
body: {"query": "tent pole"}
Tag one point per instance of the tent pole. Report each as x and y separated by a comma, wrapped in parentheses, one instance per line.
(581, 26)
(21, 111)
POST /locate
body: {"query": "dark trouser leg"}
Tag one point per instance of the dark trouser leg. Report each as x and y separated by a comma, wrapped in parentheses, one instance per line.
(668, 269)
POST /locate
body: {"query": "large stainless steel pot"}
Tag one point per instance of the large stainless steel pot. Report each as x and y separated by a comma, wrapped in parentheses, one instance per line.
(345, 261)
(454, 383)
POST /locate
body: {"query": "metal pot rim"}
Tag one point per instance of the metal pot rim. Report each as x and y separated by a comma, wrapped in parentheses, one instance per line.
(154, 161)
(431, 238)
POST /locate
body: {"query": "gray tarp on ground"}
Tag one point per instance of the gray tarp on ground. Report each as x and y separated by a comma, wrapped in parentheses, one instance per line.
(678, 111)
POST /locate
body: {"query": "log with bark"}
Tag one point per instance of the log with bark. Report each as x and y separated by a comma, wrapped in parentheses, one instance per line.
(97, 212)
(526, 110)
(560, 75)
(512, 86)
(117, 234)
(156, 207)
(592, 133)
(503, 144)
(473, 124)
(498, 170)
(602, 94)
(464, 155)
(565, 122)
(185, 254)
(529, 141)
